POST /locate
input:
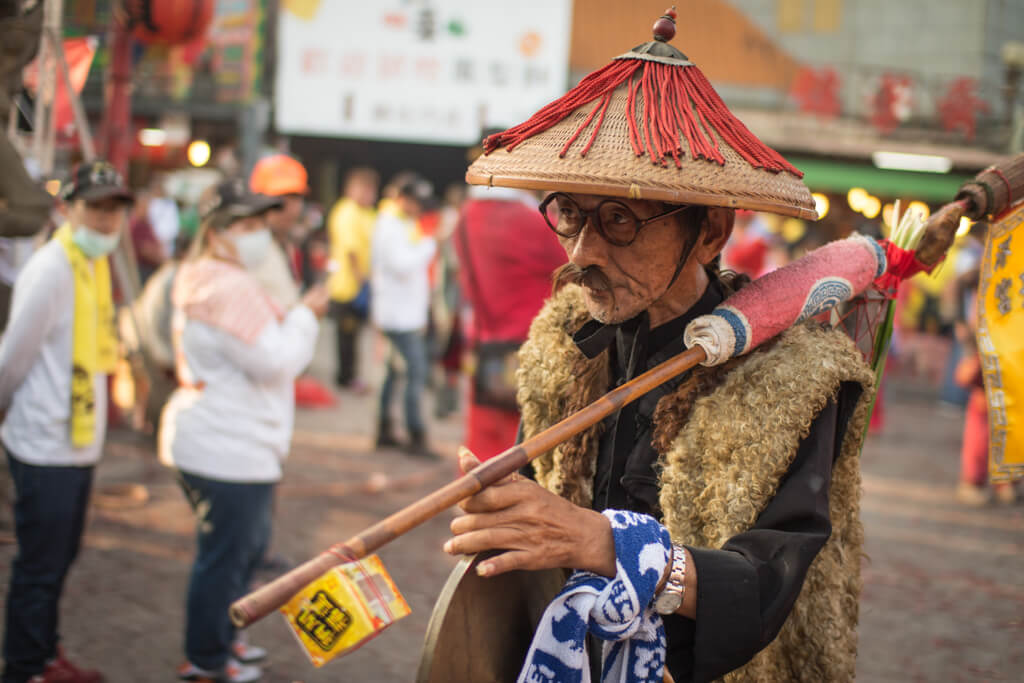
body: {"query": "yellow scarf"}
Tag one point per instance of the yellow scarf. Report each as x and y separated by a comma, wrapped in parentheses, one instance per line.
(93, 340)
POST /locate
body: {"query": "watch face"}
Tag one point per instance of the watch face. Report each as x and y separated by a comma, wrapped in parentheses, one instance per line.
(668, 602)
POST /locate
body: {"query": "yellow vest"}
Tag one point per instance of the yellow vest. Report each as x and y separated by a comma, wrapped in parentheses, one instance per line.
(350, 231)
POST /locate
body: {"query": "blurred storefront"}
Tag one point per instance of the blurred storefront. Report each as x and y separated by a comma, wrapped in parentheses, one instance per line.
(411, 85)
(189, 101)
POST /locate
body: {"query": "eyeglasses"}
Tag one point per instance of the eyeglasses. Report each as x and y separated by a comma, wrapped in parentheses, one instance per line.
(612, 219)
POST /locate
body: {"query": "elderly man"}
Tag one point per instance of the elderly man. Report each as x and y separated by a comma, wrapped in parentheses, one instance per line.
(714, 523)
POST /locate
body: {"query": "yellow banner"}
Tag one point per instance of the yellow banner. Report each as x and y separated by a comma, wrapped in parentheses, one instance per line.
(1001, 342)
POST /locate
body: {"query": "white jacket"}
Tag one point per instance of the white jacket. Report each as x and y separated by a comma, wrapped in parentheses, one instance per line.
(399, 284)
(236, 424)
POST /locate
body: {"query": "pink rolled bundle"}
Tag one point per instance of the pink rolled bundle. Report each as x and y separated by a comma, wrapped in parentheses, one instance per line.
(773, 303)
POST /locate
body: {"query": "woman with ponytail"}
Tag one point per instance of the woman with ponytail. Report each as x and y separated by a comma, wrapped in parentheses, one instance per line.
(226, 429)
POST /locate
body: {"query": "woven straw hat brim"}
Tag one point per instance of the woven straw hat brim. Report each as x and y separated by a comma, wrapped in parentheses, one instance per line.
(611, 168)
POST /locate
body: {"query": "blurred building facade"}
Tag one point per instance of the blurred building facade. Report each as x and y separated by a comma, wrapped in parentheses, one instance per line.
(889, 100)
(830, 83)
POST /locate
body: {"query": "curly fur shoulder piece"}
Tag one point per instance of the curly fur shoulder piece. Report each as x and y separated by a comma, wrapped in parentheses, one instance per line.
(556, 379)
(782, 388)
(725, 464)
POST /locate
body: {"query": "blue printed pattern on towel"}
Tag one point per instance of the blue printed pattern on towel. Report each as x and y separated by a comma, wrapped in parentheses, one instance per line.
(616, 610)
(825, 295)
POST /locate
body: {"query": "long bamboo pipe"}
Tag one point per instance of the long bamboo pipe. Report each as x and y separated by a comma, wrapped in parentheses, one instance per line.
(273, 595)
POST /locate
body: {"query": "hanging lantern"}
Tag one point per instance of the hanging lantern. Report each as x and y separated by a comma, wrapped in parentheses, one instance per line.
(170, 22)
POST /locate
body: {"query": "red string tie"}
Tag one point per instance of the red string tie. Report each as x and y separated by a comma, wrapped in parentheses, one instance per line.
(902, 265)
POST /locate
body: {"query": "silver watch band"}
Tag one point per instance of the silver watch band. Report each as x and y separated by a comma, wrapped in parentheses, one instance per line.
(671, 595)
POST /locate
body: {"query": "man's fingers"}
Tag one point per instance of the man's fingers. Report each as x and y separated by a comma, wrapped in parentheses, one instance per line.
(498, 497)
(473, 522)
(467, 461)
(484, 539)
(505, 562)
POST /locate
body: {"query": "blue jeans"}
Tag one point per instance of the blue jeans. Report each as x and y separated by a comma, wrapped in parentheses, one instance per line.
(412, 346)
(49, 516)
(233, 529)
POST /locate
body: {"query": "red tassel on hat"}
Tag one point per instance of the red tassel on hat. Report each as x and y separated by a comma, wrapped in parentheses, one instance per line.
(668, 99)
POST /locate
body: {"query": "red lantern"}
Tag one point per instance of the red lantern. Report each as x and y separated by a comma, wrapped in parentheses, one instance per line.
(169, 21)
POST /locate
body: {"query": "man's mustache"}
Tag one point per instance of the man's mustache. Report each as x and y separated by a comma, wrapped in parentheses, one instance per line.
(591, 277)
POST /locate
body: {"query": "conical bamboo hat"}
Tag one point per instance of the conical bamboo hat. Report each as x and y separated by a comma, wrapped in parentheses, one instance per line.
(647, 126)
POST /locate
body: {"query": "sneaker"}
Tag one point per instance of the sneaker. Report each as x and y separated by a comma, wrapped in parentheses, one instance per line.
(60, 670)
(233, 672)
(359, 387)
(972, 495)
(247, 653)
(419, 448)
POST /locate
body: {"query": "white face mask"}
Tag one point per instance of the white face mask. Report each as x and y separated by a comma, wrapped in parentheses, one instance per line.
(252, 247)
(92, 243)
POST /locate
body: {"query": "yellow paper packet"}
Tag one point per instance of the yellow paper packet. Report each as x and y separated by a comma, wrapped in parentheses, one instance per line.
(343, 609)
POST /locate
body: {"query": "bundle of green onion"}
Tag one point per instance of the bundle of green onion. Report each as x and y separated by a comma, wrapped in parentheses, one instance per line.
(909, 230)
(906, 234)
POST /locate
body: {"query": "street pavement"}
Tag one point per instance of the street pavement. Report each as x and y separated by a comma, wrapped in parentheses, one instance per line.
(944, 585)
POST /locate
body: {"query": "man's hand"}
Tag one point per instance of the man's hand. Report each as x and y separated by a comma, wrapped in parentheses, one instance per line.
(538, 529)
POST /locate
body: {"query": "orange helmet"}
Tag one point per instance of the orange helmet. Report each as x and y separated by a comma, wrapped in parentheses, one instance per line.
(279, 175)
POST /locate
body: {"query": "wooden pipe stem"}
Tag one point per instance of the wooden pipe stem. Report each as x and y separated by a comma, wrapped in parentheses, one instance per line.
(273, 595)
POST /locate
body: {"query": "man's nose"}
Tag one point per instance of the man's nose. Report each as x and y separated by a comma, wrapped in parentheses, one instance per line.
(111, 220)
(589, 248)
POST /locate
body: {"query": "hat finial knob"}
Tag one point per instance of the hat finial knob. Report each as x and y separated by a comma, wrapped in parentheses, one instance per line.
(665, 26)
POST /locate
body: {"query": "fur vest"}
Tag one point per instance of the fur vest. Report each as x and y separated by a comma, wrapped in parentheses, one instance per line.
(721, 464)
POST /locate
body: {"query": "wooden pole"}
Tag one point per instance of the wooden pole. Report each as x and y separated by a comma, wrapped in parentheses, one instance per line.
(273, 595)
(117, 124)
(81, 121)
(43, 119)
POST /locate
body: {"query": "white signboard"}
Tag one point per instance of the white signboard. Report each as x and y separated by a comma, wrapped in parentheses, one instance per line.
(435, 71)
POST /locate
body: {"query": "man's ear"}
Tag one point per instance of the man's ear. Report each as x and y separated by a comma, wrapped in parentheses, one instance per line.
(714, 233)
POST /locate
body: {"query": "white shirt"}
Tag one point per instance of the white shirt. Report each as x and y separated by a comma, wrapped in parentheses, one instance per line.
(399, 265)
(238, 426)
(35, 367)
(163, 216)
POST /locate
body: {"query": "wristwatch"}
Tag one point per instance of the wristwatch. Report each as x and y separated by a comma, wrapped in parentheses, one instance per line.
(671, 595)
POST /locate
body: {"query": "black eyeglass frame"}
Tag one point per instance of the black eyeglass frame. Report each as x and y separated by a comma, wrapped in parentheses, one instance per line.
(593, 216)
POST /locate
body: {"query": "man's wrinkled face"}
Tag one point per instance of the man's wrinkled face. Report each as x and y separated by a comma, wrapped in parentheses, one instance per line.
(619, 282)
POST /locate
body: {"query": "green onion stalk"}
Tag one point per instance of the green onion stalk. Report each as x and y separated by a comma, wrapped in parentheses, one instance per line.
(907, 235)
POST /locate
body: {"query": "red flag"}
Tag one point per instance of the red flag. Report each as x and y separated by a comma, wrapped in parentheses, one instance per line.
(79, 53)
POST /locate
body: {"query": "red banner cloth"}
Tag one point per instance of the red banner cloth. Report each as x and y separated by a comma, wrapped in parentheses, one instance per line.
(79, 53)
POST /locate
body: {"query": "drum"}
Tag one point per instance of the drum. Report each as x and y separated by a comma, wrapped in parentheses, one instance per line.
(481, 628)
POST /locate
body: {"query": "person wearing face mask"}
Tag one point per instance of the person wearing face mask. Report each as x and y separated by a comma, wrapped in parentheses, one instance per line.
(285, 179)
(56, 353)
(227, 428)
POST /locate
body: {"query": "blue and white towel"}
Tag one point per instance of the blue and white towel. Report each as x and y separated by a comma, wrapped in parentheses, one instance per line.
(616, 610)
